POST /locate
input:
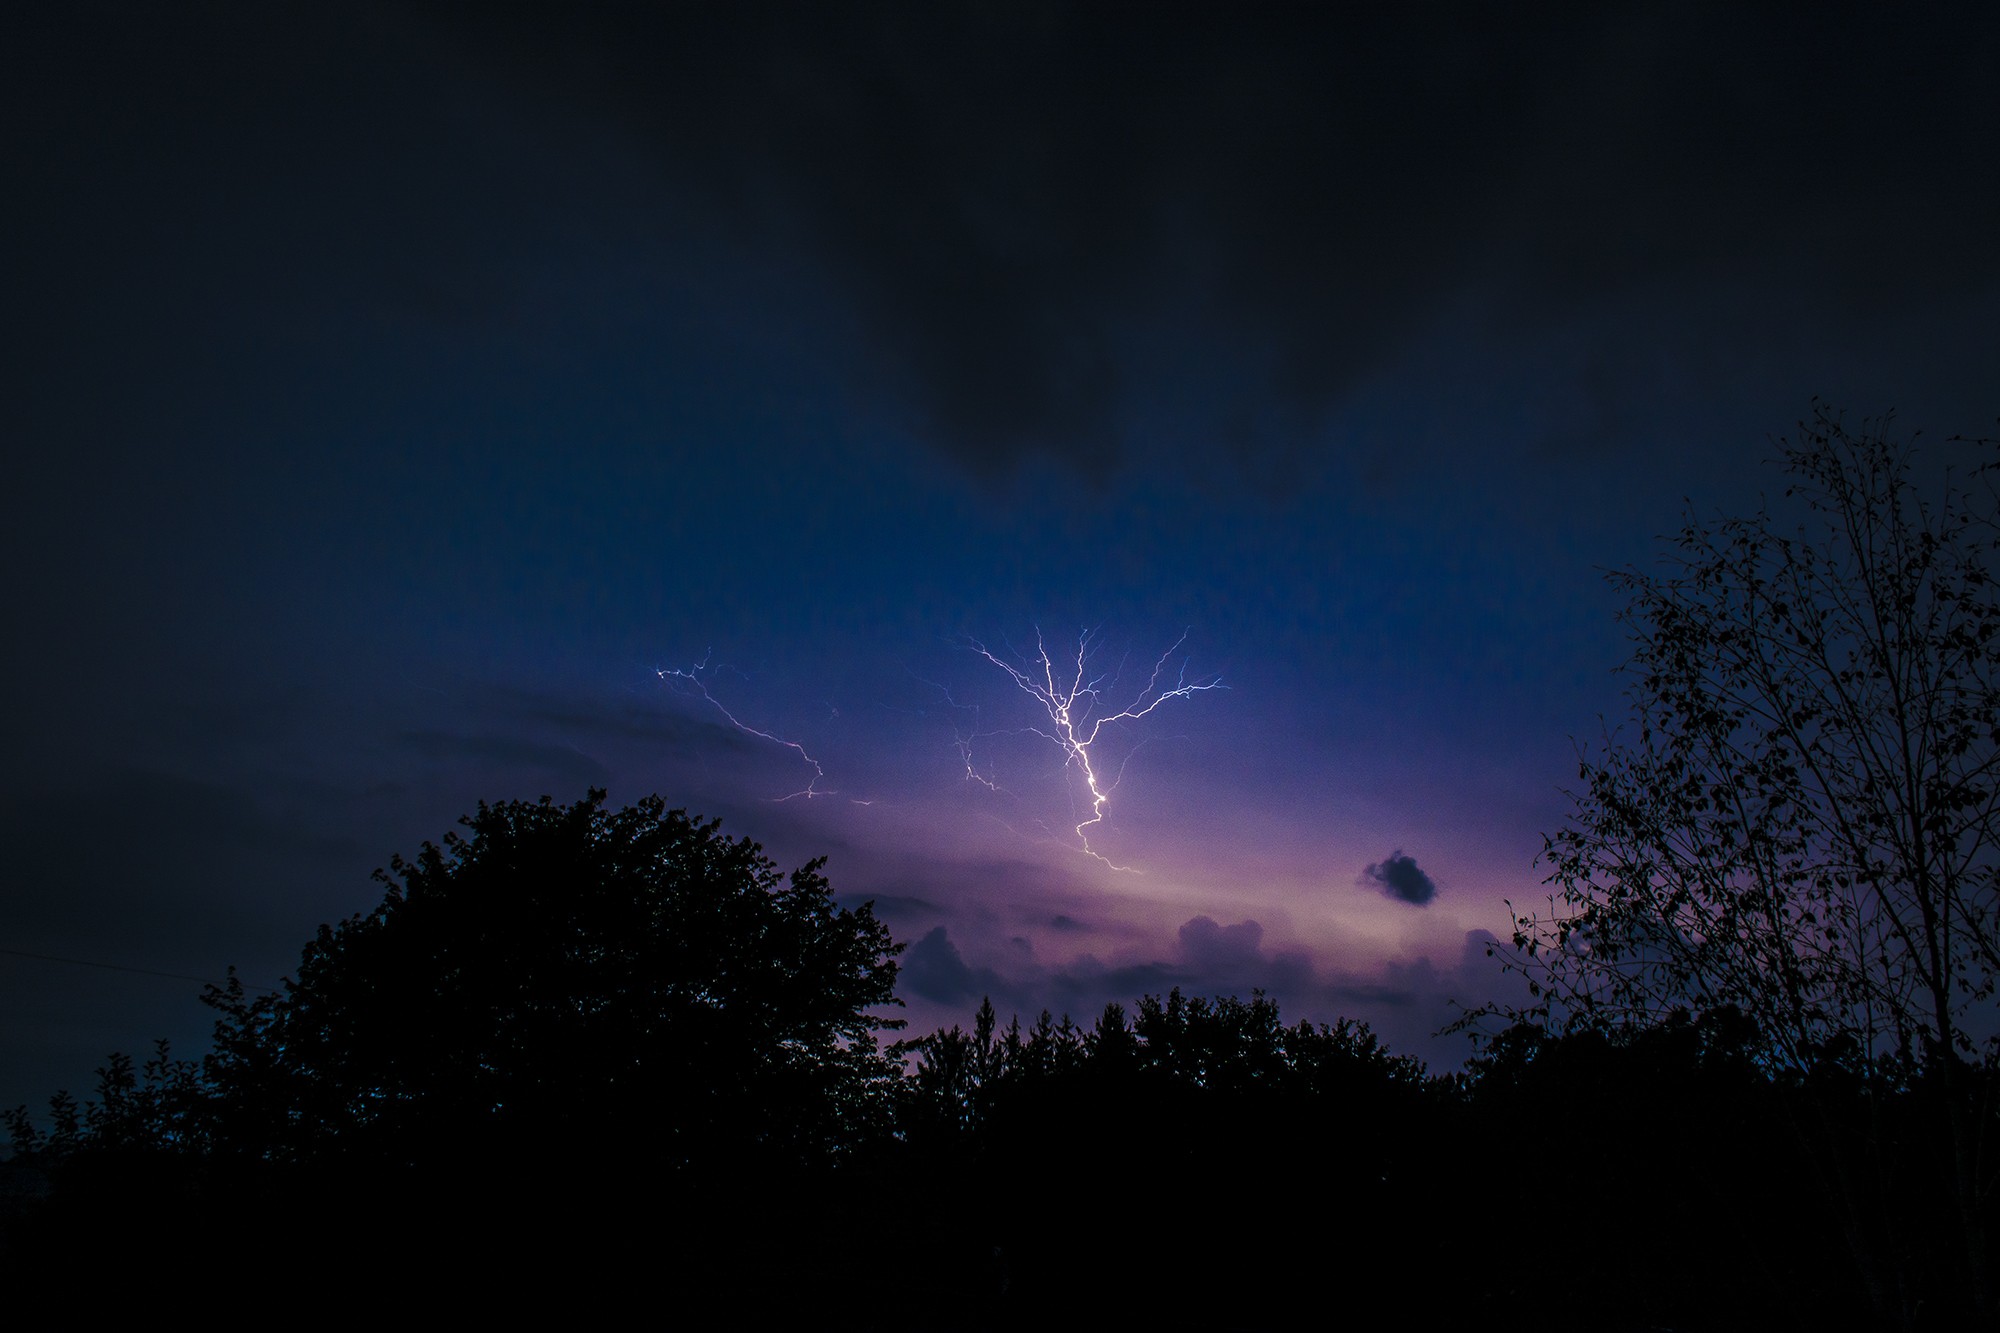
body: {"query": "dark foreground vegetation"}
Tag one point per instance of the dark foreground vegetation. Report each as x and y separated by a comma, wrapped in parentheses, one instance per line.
(581, 1061)
(581, 1058)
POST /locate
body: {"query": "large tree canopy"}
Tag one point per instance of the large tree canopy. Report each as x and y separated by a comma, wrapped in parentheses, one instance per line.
(1799, 823)
(633, 978)
(1801, 818)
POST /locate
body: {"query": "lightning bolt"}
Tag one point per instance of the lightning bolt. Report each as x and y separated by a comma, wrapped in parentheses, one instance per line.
(694, 676)
(1072, 700)
(963, 737)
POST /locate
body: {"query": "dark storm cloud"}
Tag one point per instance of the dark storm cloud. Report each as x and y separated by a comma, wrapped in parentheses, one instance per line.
(1085, 986)
(1032, 206)
(1399, 877)
(1233, 957)
(1211, 959)
(1210, 947)
(933, 969)
(1034, 214)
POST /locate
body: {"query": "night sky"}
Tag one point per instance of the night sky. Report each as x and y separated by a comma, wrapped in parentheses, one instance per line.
(394, 392)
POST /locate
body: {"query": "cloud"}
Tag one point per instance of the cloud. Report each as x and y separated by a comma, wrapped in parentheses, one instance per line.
(934, 969)
(889, 906)
(1250, 222)
(1210, 947)
(1408, 1002)
(1399, 877)
(1310, 188)
(1085, 985)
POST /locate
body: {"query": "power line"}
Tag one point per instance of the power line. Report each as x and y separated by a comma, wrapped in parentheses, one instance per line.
(120, 967)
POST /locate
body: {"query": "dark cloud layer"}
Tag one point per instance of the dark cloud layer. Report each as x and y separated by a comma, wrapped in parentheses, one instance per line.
(934, 969)
(1013, 197)
(1407, 1002)
(1399, 877)
(1035, 215)
(1208, 946)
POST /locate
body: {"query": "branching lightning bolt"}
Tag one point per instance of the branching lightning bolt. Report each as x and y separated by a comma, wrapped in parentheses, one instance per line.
(963, 738)
(1071, 702)
(694, 676)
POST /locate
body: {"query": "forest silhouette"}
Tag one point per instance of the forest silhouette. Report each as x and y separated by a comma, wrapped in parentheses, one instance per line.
(582, 1057)
(579, 1059)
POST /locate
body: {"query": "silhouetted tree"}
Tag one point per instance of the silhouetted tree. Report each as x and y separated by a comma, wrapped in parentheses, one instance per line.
(1112, 1045)
(1199, 1107)
(155, 1107)
(1682, 1151)
(1800, 819)
(579, 1043)
(570, 975)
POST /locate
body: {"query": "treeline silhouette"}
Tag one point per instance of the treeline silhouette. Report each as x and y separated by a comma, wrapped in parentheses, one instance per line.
(581, 1059)
(1195, 1163)
(1203, 1164)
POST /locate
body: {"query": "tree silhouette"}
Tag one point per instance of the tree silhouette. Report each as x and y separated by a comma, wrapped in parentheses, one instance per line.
(1193, 1106)
(566, 974)
(1800, 820)
(581, 1045)
(157, 1107)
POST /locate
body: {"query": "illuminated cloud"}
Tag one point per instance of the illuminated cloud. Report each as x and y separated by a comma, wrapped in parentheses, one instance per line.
(934, 969)
(1209, 946)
